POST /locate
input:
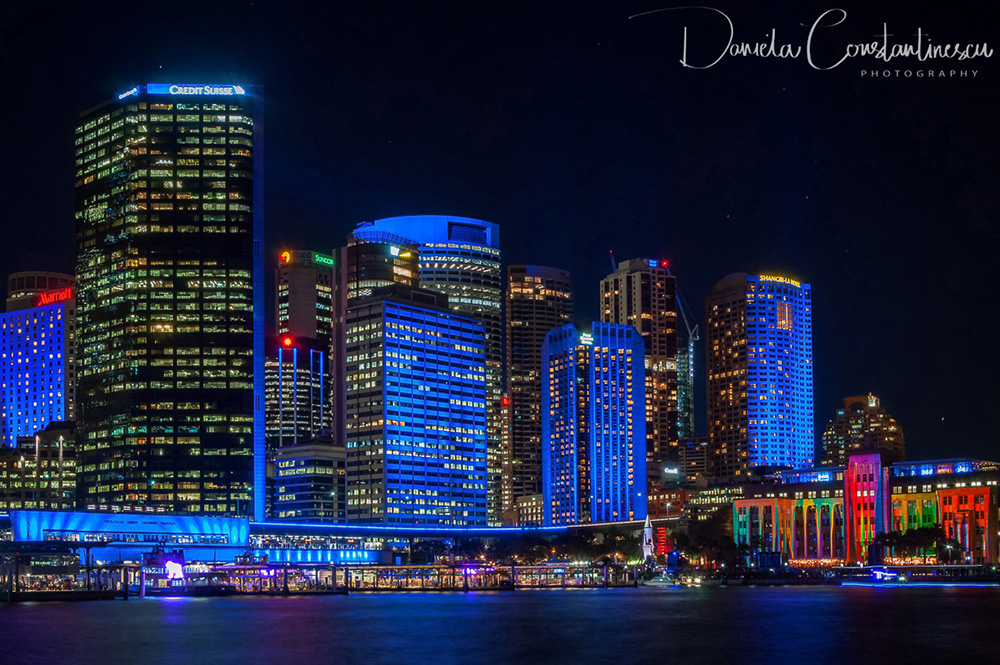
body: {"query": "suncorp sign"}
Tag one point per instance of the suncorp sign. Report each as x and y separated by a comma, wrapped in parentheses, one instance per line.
(186, 89)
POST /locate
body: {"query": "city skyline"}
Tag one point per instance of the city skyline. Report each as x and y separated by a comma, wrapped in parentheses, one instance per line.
(328, 324)
(871, 236)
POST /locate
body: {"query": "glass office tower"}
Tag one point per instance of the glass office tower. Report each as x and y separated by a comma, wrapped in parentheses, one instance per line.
(296, 391)
(460, 257)
(169, 227)
(642, 293)
(593, 425)
(539, 299)
(416, 411)
(298, 385)
(760, 388)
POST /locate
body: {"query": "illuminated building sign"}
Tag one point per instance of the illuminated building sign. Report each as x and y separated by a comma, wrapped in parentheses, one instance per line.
(783, 280)
(652, 263)
(54, 297)
(133, 91)
(286, 257)
(185, 89)
(175, 571)
(325, 260)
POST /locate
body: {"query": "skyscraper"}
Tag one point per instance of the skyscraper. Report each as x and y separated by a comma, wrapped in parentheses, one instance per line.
(369, 262)
(460, 257)
(760, 389)
(416, 411)
(539, 299)
(304, 295)
(298, 386)
(169, 227)
(296, 390)
(593, 425)
(861, 425)
(37, 354)
(642, 293)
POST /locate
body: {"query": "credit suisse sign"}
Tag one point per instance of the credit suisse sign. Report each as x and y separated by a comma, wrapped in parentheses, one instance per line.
(193, 89)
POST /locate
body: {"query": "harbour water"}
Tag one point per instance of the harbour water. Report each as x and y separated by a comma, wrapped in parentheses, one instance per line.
(684, 625)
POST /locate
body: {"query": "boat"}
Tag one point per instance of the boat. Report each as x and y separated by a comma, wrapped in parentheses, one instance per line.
(665, 579)
(193, 591)
(662, 580)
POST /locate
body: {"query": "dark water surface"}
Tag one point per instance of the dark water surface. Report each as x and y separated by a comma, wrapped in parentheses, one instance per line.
(706, 625)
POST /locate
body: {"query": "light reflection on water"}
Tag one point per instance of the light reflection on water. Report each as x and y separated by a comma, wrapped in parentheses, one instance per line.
(708, 624)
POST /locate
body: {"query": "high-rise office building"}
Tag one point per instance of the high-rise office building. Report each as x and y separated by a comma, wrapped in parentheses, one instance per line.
(37, 354)
(303, 306)
(40, 472)
(374, 261)
(416, 411)
(539, 299)
(862, 425)
(760, 375)
(169, 232)
(686, 360)
(310, 483)
(642, 293)
(298, 376)
(593, 425)
(296, 390)
(460, 257)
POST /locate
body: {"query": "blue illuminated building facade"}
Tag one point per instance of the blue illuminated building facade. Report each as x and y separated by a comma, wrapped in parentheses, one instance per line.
(760, 374)
(460, 257)
(36, 369)
(416, 411)
(593, 425)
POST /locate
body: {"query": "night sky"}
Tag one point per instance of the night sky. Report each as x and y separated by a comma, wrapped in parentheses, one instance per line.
(578, 130)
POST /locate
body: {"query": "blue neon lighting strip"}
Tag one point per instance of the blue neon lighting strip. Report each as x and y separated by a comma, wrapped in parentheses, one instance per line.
(402, 528)
(923, 585)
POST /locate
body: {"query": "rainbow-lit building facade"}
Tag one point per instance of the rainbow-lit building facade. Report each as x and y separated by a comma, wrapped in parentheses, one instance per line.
(829, 516)
(593, 425)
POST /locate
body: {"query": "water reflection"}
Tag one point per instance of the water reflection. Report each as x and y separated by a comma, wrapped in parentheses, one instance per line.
(717, 625)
